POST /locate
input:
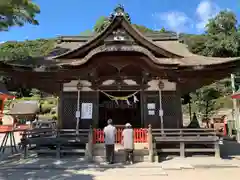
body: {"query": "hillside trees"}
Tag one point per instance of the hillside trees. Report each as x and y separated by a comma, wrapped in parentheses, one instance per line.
(222, 39)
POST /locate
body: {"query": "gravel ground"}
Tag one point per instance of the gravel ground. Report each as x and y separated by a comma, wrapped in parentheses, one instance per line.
(119, 174)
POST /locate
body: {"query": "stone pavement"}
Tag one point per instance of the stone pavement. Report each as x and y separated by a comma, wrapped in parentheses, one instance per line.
(176, 163)
(207, 168)
(76, 168)
(118, 174)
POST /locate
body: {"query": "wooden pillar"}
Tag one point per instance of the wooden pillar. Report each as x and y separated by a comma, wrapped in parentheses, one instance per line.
(179, 104)
(150, 144)
(142, 108)
(60, 107)
(217, 149)
(182, 149)
(182, 146)
(96, 111)
(89, 148)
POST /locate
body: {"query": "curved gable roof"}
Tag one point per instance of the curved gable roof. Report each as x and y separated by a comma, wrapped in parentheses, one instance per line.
(119, 21)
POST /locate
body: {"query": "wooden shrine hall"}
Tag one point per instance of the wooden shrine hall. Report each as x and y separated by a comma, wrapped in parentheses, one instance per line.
(121, 74)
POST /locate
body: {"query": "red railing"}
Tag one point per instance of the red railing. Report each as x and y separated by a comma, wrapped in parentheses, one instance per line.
(140, 135)
(7, 128)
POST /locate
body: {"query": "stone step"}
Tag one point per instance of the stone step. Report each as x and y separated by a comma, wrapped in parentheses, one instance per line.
(101, 152)
(120, 158)
(123, 172)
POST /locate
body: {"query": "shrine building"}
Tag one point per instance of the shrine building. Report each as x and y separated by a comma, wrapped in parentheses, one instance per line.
(121, 74)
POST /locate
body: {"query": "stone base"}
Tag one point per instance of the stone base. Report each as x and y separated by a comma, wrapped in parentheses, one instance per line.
(120, 159)
(140, 153)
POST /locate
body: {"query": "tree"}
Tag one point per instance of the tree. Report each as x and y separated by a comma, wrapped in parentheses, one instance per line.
(205, 98)
(86, 33)
(225, 22)
(23, 53)
(221, 39)
(26, 51)
(17, 13)
(101, 24)
(162, 30)
(196, 43)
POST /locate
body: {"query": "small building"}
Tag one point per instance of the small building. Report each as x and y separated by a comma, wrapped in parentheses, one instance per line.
(26, 110)
(121, 74)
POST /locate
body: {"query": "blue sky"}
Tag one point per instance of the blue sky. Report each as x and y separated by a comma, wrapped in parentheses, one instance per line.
(71, 17)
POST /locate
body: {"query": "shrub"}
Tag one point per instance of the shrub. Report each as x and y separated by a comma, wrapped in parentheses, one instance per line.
(46, 108)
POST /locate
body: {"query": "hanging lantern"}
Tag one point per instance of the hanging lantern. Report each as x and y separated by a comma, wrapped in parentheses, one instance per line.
(79, 85)
(161, 85)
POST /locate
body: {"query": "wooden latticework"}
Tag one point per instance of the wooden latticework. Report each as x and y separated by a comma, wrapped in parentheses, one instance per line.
(172, 109)
(69, 107)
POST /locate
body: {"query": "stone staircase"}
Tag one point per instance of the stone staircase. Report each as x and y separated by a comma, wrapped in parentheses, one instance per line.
(140, 153)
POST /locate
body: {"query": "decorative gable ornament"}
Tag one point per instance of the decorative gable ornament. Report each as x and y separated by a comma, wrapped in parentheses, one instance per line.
(119, 10)
(119, 35)
(120, 13)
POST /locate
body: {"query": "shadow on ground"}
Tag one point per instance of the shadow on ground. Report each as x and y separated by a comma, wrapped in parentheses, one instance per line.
(64, 166)
(26, 174)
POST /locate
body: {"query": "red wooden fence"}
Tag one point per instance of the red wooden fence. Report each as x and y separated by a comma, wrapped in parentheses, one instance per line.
(140, 135)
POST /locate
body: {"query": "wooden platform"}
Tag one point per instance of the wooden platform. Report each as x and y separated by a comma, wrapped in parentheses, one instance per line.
(183, 141)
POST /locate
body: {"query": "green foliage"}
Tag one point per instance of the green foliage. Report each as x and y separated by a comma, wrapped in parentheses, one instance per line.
(46, 108)
(222, 38)
(34, 48)
(205, 98)
(25, 53)
(225, 22)
(163, 30)
(86, 33)
(101, 24)
(196, 43)
(17, 13)
(143, 29)
(26, 50)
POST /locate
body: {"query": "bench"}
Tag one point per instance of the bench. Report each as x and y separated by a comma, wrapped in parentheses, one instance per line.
(183, 141)
(58, 141)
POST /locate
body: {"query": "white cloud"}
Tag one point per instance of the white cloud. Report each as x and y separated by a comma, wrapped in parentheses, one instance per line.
(175, 20)
(180, 22)
(205, 10)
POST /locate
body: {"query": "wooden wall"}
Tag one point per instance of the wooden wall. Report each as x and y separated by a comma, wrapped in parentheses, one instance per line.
(171, 106)
(69, 107)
